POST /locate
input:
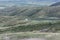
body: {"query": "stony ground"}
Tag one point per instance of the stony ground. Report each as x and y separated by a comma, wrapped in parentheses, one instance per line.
(30, 36)
(34, 39)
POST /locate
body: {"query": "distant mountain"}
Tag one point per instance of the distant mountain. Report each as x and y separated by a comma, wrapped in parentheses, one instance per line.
(31, 11)
(37, 2)
(56, 4)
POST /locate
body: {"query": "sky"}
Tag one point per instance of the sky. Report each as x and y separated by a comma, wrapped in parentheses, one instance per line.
(32, 0)
(42, 2)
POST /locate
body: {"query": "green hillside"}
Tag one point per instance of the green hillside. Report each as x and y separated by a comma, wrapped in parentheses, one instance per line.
(30, 18)
(31, 11)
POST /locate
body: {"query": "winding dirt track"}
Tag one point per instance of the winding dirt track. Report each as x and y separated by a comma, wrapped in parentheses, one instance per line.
(34, 39)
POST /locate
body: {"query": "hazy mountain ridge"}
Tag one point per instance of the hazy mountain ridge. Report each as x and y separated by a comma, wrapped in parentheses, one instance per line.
(31, 11)
(56, 4)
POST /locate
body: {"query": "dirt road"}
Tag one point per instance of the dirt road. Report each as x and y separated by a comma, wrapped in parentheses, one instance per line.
(33, 39)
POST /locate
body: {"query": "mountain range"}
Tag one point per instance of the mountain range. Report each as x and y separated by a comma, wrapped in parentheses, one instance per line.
(31, 11)
(56, 4)
(38, 2)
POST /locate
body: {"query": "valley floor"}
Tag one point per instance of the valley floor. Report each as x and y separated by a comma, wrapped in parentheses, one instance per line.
(30, 36)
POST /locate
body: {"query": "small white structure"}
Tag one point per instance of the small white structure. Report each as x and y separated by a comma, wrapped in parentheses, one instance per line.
(26, 19)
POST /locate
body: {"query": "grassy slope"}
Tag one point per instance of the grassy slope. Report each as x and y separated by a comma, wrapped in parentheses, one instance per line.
(22, 35)
(14, 24)
(30, 25)
(13, 19)
(31, 12)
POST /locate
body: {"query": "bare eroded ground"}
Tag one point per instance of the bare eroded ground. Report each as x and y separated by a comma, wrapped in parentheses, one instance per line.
(33, 39)
(30, 36)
